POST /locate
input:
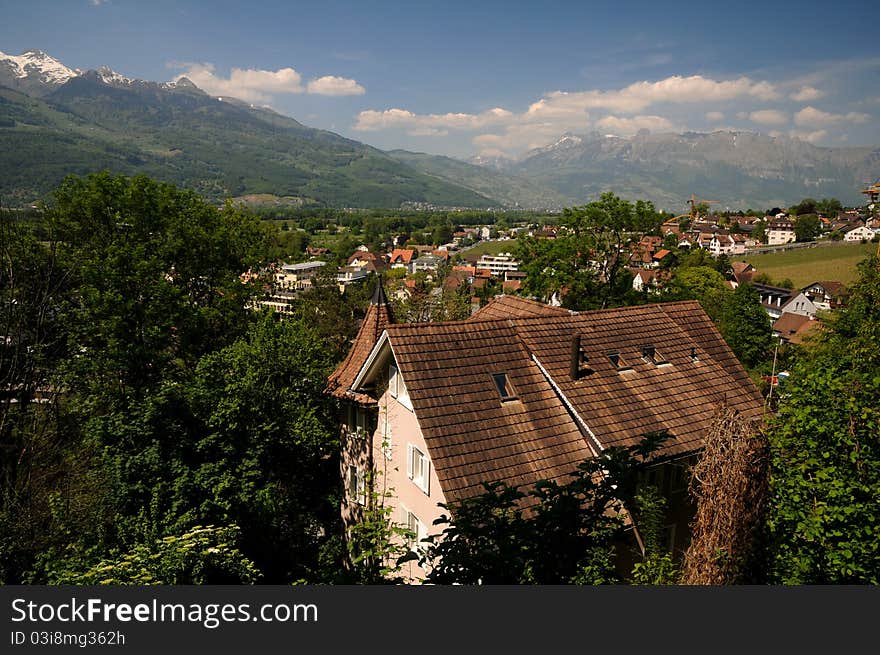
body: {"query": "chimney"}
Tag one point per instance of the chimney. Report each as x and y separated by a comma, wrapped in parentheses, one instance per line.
(575, 362)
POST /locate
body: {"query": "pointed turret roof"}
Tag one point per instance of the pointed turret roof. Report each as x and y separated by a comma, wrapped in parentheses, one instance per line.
(377, 318)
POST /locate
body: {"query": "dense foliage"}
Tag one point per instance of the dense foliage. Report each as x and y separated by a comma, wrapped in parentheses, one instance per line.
(824, 523)
(583, 266)
(186, 437)
(557, 532)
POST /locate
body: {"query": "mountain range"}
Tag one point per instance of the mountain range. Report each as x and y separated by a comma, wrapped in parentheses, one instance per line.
(55, 120)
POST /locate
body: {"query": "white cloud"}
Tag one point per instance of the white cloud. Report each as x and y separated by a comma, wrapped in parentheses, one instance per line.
(259, 86)
(427, 131)
(807, 93)
(629, 126)
(517, 138)
(714, 116)
(371, 120)
(560, 111)
(250, 85)
(640, 95)
(768, 117)
(330, 85)
(812, 117)
(98, 3)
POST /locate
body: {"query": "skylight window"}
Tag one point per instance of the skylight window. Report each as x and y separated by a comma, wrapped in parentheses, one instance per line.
(505, 388)
(652, 356)
(618, 361)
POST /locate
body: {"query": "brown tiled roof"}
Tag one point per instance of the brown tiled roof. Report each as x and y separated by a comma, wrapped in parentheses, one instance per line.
(794, 327)
(473, 436)
(377, 318)
(514, 307)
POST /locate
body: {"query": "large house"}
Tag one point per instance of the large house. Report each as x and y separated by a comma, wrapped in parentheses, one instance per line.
(521, 392)
(860, 233)
(779, 300)
(780, 231)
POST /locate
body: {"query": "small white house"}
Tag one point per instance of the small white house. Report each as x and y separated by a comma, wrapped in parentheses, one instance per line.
(859, 233)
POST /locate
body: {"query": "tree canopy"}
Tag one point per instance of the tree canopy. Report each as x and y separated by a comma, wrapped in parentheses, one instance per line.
(824, 521)
(586, 263)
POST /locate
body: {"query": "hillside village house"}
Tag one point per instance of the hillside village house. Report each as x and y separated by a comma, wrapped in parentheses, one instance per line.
(522, 392)
(780, 231)
(297, 276)
(860, 233)
(498, 264)
(826, 295)
(779, 300)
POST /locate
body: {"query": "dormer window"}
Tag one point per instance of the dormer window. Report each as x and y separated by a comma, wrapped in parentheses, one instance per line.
(504, 386)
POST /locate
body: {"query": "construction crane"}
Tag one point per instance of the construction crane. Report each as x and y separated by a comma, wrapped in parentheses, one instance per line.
(693, 201)
(872, 191)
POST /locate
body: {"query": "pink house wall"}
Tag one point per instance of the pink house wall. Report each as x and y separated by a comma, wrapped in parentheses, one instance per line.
(403, 429)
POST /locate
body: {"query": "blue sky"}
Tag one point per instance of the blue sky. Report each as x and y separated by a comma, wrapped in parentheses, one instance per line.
(492, 78)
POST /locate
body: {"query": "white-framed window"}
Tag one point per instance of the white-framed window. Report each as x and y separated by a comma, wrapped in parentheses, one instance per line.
(361, 421)
(412, 523)
(357, 488)
(418, 468)
(393, 378)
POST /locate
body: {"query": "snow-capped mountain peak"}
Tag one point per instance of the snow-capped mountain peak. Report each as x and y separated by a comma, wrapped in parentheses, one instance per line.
(567, 140)
(111, 77)
(38, 66)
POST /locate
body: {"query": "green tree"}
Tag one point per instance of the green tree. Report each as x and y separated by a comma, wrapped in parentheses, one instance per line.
(807, 227)
(746, 327)
(156, 272)
(829, 207)
(805, 206)
(201, 555)
(824, 509)
(583, 263)
(568, 535)
(760, 231)
(704, 284)
(264, 456)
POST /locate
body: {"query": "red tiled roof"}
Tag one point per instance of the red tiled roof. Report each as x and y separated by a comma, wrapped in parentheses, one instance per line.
(402, 256)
